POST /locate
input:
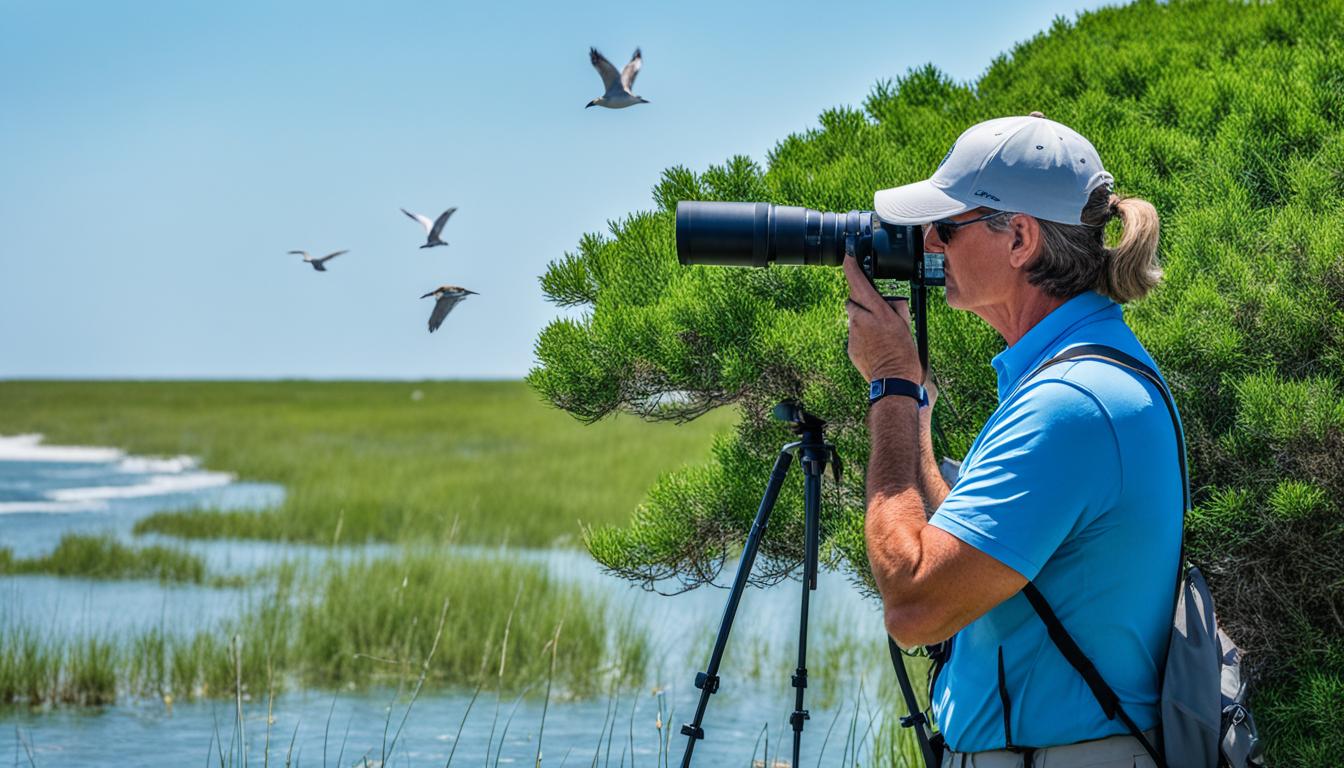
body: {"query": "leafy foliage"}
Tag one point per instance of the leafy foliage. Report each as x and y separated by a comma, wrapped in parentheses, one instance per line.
(1229, 118)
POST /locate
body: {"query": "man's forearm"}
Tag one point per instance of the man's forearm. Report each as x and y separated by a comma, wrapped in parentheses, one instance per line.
(895, 508)
(932, 486)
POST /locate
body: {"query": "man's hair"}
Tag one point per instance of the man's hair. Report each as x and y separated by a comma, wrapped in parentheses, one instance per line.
(1074, 257)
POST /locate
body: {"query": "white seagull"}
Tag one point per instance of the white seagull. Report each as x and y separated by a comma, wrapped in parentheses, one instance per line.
(618, 85)
(318, 264)
(446, 297)
(432, 228)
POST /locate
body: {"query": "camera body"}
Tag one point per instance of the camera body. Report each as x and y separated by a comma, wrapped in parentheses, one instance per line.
(759, 234)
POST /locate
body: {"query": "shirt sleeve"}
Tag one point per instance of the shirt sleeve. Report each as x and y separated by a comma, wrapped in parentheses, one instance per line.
(1046, 463)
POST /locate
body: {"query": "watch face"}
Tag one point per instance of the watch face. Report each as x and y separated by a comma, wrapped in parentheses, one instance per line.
(874, 389)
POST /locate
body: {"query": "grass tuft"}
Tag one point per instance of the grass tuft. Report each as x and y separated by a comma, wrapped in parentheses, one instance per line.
(103, 557)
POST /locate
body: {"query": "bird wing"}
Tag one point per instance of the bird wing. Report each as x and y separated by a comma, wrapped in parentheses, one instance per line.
(442, 307)
(424, 220)
(439, 222)
(631, 69)
(610, 77)
(329, 257)
(304, 254)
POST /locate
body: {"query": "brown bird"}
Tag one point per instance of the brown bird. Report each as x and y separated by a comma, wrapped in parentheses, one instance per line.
(446, 297)
(318, 264)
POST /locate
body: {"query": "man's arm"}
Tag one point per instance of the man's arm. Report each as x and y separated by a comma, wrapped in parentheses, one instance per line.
(932, 486)
(932, 583)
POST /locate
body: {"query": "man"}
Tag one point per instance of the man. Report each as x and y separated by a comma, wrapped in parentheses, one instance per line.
(1073, 483)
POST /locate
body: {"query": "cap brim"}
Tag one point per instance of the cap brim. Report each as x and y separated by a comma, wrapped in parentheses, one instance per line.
(917, 203)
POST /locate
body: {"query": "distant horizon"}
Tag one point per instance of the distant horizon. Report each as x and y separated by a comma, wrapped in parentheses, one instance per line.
(162, 158)
(258, 379)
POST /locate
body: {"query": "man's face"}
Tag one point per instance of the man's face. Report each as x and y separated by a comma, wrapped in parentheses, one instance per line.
(975, 261)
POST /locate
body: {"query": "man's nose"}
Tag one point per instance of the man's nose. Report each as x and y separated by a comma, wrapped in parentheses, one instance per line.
(933, 243)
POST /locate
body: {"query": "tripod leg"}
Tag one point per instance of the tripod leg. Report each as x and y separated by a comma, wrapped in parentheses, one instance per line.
(814, 466)
(708, 681)
(916, 718)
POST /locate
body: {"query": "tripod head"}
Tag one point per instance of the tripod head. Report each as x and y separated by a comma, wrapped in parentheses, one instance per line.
(810, 428)
(799, 420)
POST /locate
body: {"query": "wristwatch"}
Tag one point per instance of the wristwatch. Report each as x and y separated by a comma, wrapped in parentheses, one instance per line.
(880, 388)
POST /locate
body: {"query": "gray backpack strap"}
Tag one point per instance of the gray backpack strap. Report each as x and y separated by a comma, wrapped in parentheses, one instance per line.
(1104, 694)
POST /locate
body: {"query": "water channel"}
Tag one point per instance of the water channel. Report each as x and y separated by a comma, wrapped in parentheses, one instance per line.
(47, 491)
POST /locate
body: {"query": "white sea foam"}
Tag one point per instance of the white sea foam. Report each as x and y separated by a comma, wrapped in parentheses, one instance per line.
(154, 485)
(161, 475)
(146, 464)
(29, 448)
(20, 507)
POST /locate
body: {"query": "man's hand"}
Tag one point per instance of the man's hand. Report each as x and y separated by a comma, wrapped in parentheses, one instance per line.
(880, 344)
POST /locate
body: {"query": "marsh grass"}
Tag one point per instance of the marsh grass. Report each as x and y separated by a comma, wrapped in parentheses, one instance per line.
(843, 649)
(375, 614)
(363, 624)
(44, 670)
(488, 457)
(104, 557)
(29, 665)
(90, 673)
(859, 732)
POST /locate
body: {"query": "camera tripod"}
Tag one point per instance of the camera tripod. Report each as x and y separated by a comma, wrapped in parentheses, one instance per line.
(814, 453)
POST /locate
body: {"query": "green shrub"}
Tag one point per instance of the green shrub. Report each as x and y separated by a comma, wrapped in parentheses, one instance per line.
(1228, 116)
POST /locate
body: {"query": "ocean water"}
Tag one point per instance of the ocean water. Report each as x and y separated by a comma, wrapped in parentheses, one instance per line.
(46, 491)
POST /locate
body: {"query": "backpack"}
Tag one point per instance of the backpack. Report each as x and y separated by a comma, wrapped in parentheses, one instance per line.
(1205, 720)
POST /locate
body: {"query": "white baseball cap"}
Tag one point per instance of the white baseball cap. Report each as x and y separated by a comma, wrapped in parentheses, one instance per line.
(1024, 164)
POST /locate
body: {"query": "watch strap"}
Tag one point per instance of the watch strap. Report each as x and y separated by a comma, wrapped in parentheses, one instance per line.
(880, 388)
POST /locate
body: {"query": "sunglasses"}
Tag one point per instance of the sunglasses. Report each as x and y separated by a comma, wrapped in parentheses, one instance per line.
(947, 227)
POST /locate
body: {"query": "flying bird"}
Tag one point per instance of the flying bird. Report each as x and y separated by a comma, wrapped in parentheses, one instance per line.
(618, 85)
(432, 228)
(446, 297)
(318, 264)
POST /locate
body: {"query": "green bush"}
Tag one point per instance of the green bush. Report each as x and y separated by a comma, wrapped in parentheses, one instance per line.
(1229, 117)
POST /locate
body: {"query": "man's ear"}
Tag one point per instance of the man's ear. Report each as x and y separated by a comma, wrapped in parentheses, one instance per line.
(1026, 232)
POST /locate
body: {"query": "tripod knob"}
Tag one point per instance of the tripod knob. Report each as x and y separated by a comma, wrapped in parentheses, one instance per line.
(706, 682)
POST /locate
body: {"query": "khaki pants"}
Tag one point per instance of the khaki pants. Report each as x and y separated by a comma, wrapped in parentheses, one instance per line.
(1111, 752)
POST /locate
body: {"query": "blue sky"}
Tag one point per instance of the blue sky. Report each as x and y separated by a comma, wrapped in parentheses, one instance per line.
(159, 159)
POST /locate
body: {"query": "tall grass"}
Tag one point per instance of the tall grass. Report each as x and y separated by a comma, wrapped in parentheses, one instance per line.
(487, 457)
(103, 557)
(366, 623)
(375, 614)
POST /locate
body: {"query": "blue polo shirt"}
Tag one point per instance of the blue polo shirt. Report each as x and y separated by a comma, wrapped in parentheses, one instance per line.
(1074, 483)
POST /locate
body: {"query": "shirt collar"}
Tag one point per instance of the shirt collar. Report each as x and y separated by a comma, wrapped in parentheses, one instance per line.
(1016, 361)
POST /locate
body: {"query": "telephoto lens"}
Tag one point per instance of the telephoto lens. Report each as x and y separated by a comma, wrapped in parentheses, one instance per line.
(759, 234)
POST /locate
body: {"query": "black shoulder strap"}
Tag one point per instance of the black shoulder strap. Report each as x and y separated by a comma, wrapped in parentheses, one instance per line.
(1106, 697)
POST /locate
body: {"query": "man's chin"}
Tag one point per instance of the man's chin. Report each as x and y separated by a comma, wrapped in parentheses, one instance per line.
(951, 298)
